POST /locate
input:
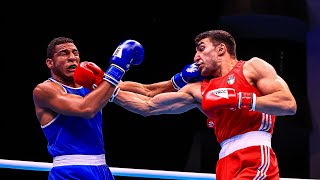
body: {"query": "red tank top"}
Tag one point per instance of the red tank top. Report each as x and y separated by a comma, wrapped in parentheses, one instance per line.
(228, 123)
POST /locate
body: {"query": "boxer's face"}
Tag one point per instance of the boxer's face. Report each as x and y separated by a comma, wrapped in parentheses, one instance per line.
(206, 57)
(64, 61)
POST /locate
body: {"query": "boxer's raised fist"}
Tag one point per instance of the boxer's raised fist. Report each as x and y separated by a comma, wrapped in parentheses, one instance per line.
(129, 52)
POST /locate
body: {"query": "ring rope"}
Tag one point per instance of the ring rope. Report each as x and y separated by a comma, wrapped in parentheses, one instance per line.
(116, 171)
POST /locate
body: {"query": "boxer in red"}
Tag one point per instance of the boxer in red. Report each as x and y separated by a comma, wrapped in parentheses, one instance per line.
(241, 99)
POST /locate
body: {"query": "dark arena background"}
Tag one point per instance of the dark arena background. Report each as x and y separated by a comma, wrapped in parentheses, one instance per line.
(272, 30)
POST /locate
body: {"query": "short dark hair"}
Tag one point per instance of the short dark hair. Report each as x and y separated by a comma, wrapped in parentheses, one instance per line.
(54, 42)
(217, 37)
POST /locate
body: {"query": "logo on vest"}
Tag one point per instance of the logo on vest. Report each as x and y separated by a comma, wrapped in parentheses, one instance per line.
(231, 79)
(222, 92)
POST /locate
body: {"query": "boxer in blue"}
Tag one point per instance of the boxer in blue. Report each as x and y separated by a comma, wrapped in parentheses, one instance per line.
(69, 105)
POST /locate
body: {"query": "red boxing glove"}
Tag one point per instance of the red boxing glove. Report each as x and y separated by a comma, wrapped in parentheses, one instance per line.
(99, 74)
(88, 74)
(228, 98)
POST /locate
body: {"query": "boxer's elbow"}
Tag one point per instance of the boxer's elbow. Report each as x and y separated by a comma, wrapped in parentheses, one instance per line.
(287, 108)
(291, 108)
(89, 113)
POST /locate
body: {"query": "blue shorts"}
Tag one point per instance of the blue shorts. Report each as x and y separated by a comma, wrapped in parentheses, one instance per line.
(83, 172)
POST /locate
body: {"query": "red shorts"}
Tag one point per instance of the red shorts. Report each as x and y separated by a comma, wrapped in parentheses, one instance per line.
(254, 162)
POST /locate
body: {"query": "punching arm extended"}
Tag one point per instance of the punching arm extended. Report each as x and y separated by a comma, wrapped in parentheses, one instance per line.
(164, 103)
(189, 73)
(149, 90)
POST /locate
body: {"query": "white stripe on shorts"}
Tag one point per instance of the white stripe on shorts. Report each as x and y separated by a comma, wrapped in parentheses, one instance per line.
(78, 159)
(254, 138)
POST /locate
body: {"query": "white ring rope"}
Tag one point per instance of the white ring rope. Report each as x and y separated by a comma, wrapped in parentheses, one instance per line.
(128, 172)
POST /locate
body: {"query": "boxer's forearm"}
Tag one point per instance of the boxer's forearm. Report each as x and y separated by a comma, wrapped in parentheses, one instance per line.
(147, 89)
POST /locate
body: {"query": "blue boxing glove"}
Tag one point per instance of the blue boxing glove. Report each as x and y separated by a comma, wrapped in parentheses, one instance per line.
(127, 53)
(189, 73)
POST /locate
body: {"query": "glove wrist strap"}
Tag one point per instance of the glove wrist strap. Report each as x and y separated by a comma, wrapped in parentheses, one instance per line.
(114, 74)
(178, 82)
(247, 100)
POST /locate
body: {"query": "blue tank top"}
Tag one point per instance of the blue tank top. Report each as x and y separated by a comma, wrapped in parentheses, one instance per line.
(68, 135)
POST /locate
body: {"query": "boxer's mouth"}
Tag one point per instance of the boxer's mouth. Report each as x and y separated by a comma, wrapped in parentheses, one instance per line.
(72, 67)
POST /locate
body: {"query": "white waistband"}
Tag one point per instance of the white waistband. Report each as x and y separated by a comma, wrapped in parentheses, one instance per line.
(254, 138)
(67, 160)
